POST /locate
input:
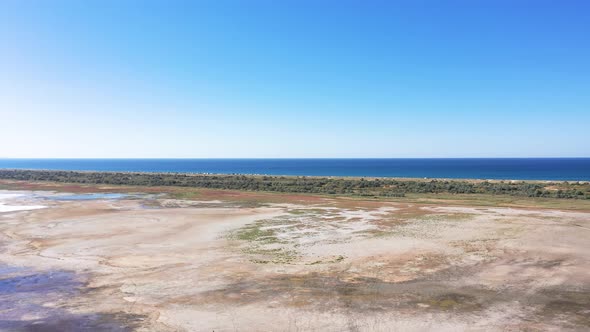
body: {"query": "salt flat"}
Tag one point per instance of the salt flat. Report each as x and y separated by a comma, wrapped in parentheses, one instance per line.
(156, 263)
(6, 204)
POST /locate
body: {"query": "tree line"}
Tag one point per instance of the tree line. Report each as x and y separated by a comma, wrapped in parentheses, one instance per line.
(380, 187)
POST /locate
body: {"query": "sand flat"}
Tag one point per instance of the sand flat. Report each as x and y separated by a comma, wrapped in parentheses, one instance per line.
(159, 264)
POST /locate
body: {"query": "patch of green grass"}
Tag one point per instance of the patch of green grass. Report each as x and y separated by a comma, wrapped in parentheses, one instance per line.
(445, 217)
(380, 233)
(188, 195)
(297, 211)
(454, 301)
(260, 255)
(444, 304)
(496, 201)
(256, 233)
(309, 211)
(257, 242)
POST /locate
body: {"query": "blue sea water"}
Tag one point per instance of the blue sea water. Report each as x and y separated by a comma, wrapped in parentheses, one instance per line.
(577, 169)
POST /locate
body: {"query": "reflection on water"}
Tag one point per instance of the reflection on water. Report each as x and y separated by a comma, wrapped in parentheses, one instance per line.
(39, 300)
(22, 282)
(24, 294)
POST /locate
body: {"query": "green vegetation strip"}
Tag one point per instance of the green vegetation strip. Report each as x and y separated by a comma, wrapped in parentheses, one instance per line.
(379, 187)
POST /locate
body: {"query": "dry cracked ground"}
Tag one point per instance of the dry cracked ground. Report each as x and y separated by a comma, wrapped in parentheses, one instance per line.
(149, 262)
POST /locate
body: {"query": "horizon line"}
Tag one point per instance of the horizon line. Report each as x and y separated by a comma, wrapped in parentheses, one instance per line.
(272, 158)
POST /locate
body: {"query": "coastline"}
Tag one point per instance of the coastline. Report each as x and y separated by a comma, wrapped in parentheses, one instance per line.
(347, 186)
(331, 177)
(480, 169)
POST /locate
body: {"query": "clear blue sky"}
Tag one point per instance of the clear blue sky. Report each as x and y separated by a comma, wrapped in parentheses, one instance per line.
(294, 78)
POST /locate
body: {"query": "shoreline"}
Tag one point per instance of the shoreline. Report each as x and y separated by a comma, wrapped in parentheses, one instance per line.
(331, 177)
(359, 186)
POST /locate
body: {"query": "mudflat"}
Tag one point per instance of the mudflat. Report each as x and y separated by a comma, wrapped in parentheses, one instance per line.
(152, 261)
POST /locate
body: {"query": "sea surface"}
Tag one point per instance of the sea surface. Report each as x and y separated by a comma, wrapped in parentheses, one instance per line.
(576, 169)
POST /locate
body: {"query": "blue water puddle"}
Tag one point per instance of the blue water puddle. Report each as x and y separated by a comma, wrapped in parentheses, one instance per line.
(6, 269)
(42, 301)
(87, 197)
(21, 281)
(24, 291)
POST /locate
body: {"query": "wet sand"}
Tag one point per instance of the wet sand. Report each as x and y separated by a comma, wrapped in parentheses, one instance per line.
(155, 263)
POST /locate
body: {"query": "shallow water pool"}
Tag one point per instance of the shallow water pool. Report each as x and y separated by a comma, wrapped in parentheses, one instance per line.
(86, 197)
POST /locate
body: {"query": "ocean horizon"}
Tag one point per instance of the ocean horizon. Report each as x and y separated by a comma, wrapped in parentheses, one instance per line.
(555, 169)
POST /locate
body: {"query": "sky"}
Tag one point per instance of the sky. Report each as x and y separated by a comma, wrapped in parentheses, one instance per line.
(280, 79)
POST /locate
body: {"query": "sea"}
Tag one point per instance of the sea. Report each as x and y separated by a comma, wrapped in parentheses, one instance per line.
(558, 169)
